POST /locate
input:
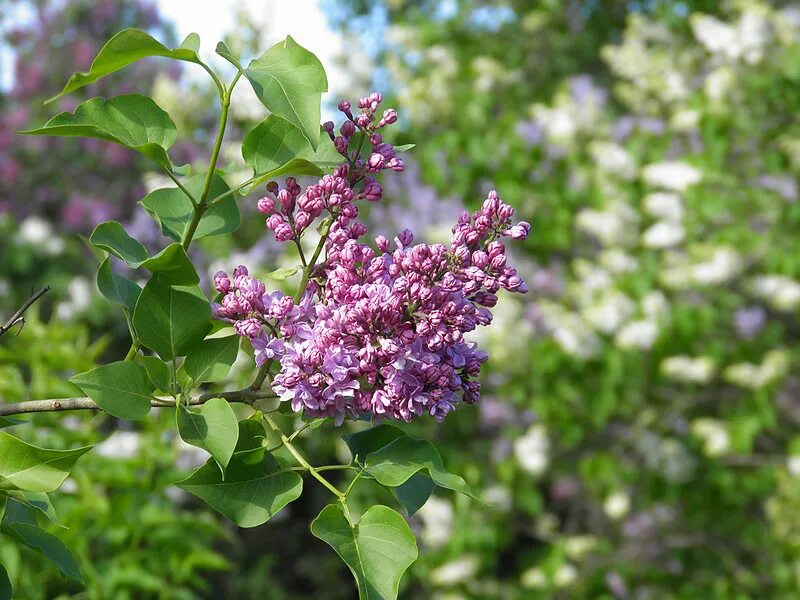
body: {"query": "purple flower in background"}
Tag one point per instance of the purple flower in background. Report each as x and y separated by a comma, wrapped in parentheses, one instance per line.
(749, 321)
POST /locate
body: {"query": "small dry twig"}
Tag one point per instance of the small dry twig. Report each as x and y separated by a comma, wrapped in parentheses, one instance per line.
(19, 316)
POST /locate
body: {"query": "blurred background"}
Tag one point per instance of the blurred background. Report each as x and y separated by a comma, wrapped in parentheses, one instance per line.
(639, 432)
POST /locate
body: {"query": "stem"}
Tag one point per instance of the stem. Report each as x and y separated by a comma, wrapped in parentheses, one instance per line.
(352, 483)
(301, 460)
(233, 190)
(246, 396)
(201, 206)
(177, 182)
(18, 316)
(134, 349)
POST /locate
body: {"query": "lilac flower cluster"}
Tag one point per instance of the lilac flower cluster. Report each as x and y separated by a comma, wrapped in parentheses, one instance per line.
(376, 330)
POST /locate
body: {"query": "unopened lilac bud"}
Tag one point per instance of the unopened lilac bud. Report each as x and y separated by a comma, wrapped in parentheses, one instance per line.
(363, 120)
(372, 191)
(376, 162)
(506, 211)
(240, 271)
(275, 221)
(347, 129)
(344, 106)
(389, 116)
(382, 243)
(249, 328)
(328, 126)
(519, 231)
(375, 139)
(302, 219)
(272, 187)
(266, 205)
(341, 143)
(404, 238)
(222, 282)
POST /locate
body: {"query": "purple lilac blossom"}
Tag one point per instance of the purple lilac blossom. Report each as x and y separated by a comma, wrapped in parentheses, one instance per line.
(375, 331)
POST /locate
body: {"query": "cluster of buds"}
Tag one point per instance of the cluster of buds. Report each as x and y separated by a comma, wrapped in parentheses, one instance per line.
(377, 330)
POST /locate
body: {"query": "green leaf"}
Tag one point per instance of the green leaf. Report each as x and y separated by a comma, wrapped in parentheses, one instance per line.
(173, 210)
(173, 266)
(39, 501)
(171, 319)
(34, 469)
(10, 422)
(289, 80)
(281, 273)
(275, 147)
(223, 51)
(19, 524)
(254, 488)
(121, 388)
(6, 591)
(404, 147)
(251, 435)
(373, 439)
(158, 372)
(117, 288)
(131, 120)
(125, 48)
(214, 428)
(112, 237)
(396, 462)
(211, 359)
(378, 549)
(414, 492)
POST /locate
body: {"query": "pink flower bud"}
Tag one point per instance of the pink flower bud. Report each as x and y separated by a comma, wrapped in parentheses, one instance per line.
(266, 205)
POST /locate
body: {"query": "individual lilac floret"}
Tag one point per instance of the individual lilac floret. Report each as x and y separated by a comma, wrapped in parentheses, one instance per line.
(377, 330)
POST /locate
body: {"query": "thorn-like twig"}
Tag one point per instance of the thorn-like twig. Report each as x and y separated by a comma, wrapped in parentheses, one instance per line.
(18, 317)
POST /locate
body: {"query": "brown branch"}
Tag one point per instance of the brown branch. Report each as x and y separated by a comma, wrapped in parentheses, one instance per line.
(246, 396)
(19, 315)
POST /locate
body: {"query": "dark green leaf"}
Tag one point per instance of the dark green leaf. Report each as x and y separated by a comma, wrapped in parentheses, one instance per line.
(10, 422)
(396, 462)
(275, 147)
(122, 388)
(6, 591)
(173, 210)
(126, 47)
(39, 501)
(214, 428)
(171, 319)
(373, 439)
(378, 549)
(251, 435)
(158, 372)
(117, 288)
(131, 120)
(289, 80)
(112, 237)
(19, 526)
(211, 359)
(34, 469)
(173, 266)
(414, 492)
(254, 488)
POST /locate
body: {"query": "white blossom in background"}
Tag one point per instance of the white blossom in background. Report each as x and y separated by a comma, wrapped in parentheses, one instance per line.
(663, 234)
(688, 369)
(664, 205)
(775, 366)
(572, 334)
(713, 433)
(781, 292)
(655, 306)
(617, 261)
(610, 312)
(34, 231)
(793, 466)
(578, 546)
(461, 570)
(718, 84)
(533, 579)
(685, 120)
(613, 159)
(120, 444)
(437, 522)
(744, 40)
(532, 450)
(671, 175)
(617, 224)
(617, 505)
(637, 335)
(79, 297)
(709, 266)
(565, 575)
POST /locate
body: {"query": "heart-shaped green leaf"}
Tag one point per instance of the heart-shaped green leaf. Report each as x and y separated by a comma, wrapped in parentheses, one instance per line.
(125, 48)
(211, 359)
(275, 147)
(396, 462)
(378, 549)
(19, 523)
(225, 52)
(173, 210)
(171, 319)
(112, 237)
(214, 428)
(173, 266)
(121, 388)
(289, 80)
(34, 469)
(413, 493)
(158, 372)
(254, 488)
(117, 288)
(131, 120)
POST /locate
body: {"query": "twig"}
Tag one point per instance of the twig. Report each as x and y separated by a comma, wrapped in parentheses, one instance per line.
(18, 316)
(246, 396)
